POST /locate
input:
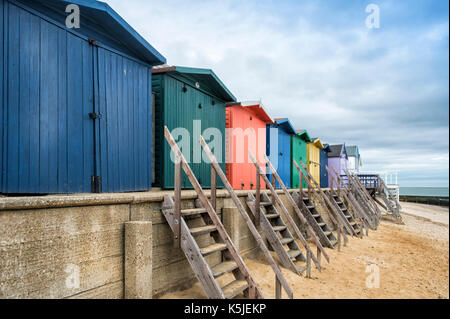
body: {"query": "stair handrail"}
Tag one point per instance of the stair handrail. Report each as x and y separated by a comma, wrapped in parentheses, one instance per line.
(254, 290)
(276, 269)
(285, 212)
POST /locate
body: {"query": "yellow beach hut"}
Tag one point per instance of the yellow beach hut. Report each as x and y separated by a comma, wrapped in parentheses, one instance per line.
(314, 158)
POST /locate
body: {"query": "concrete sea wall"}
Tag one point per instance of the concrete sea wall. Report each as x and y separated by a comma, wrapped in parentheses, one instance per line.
(74, 246)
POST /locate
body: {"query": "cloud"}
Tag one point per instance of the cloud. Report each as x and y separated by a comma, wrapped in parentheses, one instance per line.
(315, 62)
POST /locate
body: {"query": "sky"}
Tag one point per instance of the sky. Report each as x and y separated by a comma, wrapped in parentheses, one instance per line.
(384, 89)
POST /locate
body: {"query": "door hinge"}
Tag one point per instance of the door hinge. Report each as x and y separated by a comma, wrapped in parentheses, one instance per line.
(95, 116)
(93, 42)
(96, 184)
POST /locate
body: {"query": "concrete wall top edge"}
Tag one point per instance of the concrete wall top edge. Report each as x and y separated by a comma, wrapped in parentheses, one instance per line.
(76, 200)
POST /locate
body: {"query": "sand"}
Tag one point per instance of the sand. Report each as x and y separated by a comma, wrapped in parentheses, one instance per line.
(412, 261)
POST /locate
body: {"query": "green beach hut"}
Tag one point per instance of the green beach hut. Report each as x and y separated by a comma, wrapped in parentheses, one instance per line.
(299, 152)
(188, 100)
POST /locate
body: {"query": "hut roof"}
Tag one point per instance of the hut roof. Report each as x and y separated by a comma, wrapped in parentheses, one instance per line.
(336, 150)
(352, 150)
(257, 108)
(285, 125)
(109, 22)
(304, 135)
(202, 77)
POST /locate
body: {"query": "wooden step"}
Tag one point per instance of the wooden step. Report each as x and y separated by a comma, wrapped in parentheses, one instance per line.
(301, 269)
(310, 206)
(223, 268)
(286, 241)
(194, 211)
(197, 231)
(339, 202)
(327, 233)
(252, 202)
(212, 249)
(279, 228)
(266, 203)
(272, 216)
(321, 224)
(316, 215)
(294, 253)
(234, 288)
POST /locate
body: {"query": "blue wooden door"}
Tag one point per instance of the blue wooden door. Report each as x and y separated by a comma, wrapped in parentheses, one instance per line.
(323, 170)
(47, 98)
(124, 134)
(284, 140)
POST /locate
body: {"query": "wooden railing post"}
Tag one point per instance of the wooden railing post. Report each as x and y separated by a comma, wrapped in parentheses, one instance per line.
(301, 189)
(309, 191)
(339, 239)
(258, 198)
(273, 185)
(177, 199)
(277, 288)
(308, 264)
(213, 187)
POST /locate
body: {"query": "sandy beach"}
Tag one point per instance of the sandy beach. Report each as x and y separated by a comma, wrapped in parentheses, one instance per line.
(412, 261)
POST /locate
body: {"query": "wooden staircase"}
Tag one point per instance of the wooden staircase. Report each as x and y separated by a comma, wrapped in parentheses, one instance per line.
(363, 198)
(316, 259)
(185, 238)
(216, 170)
(321, 228)
(327, 204)
(357, 231)
(391, 202)
(358, 212)
(306, 211)
(196, 255)
(278, 234)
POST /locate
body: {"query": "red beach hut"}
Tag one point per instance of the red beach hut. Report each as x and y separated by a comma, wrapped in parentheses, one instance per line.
(245, 130)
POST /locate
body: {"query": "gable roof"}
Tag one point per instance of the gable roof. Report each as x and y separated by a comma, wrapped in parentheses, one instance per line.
(256, 108)
(204, 77)
(317, 142)
(326, 148)
(285, 125)
(337, 150)
(303, 134)
(101, 17)
(352, 150)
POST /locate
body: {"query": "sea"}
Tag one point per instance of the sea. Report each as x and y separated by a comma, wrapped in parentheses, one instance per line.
(424, 191)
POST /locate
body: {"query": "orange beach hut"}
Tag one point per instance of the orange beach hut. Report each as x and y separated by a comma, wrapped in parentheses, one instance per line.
(245, 131)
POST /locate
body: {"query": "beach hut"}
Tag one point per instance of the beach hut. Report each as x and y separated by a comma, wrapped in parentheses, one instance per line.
(279, 149)
(190, 102)
(314, 148)
(323, 164)
(246, 131)
(299, 152)
(338, 159)
(76, 102)
(354, 158)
